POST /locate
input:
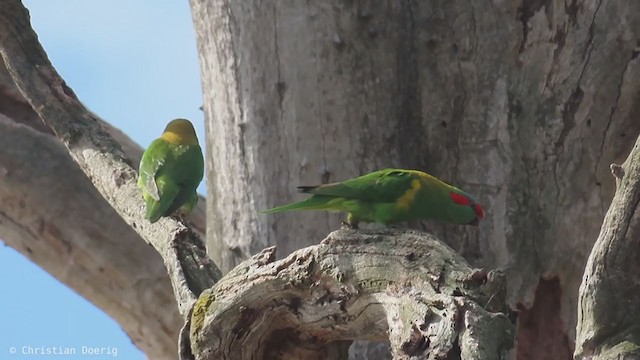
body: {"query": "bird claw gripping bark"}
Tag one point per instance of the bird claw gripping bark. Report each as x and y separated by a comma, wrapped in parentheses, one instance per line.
(348, 225)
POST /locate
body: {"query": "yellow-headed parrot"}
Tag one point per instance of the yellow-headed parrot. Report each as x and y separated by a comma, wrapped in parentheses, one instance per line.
(170, 170)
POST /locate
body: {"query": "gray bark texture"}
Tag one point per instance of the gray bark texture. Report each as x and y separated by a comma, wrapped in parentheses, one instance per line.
(99, 156)
(52, 214)
(401, 285)
(521, 103)
(609, 306)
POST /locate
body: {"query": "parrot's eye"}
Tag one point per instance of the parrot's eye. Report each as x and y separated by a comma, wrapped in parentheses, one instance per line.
(478, 210)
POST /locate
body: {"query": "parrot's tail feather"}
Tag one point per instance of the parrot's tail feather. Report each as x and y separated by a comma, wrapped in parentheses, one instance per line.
(158, 209)
(154, 213)
(312, 203)
(306, 189)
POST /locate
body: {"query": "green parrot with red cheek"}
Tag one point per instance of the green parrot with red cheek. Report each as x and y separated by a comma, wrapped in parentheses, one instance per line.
(391, 196)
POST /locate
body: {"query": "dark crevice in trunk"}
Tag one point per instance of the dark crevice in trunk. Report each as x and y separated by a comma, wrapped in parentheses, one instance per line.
(541, 332)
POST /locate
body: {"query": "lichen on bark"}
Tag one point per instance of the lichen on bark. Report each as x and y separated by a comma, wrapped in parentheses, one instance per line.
(401, 286)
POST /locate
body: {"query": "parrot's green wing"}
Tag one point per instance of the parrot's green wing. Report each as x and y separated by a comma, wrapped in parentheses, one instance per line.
(170, 170)
(169, 191)
(384, 186)
(152, 160)
(185, 171)
(390, 196)
(191, 203)
(169, 176)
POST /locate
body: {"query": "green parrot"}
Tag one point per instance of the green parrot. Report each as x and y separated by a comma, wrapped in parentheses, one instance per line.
(390, 196)
(170, 171)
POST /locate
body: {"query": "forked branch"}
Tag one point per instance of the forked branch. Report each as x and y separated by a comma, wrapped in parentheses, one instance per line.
(99, 155)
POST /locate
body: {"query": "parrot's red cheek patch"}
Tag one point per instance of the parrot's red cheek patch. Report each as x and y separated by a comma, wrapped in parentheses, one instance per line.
(459, 199)
(478, 210)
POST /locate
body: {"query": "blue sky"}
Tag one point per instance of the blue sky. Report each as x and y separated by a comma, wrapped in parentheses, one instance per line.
(134, 63)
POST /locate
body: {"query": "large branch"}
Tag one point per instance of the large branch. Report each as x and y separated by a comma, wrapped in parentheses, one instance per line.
(52, 214)
(99, 155)
(401, 285)
(609, 302)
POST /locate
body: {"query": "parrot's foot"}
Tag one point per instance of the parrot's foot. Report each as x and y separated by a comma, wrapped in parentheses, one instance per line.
(348, 225)
(182, 215)
(352, 221)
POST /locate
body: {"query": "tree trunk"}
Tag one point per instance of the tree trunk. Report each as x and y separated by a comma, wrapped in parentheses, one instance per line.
(609, 307)
(522, 104)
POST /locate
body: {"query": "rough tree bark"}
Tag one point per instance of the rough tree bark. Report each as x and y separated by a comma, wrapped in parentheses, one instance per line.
(52, 214)
(609, 307)
(521, 103)
(401, 285)
(452, 288)
(99, 156)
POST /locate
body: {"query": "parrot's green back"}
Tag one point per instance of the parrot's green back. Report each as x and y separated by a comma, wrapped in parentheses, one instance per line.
(171, 169)
(391, 196)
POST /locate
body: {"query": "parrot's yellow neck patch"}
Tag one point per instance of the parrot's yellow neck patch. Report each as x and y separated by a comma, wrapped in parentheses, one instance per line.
(179, 139)
(407, 198)
(180, 132)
